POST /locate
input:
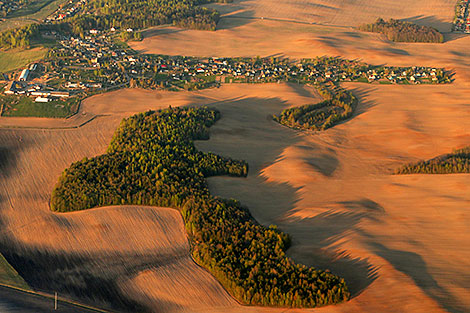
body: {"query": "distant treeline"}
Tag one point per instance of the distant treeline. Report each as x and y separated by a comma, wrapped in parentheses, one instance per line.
(139, 14)
(122, 14)
(152, 160)
(400, 31)
(19, 37)
(9, 6)
(455, 162)
(338, 105)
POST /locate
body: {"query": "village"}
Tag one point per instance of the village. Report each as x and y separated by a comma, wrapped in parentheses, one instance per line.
(462, 17)
(193, 73)
(9, 6)
(99, 62)
(69, 9)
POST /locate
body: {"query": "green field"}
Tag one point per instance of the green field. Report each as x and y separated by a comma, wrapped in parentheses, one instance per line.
(9, 276)
(31, 14)
(17, 58)
(22, 106)
(30, 9)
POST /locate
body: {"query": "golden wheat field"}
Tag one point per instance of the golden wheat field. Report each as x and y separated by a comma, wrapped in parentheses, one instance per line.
(401, 242)
(436, 13)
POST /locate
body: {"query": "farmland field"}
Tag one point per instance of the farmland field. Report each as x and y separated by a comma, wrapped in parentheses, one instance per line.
(31, 14)
(282, 188)
(17, 58)
(27, 107)
(435, 13)
(9, 276)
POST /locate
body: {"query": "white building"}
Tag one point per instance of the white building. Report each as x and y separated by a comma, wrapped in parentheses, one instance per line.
(42, 99)
(24, 75)
(10, 89)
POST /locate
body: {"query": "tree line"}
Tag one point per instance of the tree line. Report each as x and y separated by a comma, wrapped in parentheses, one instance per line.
(152, 160)
(19, 37)
(455, 162)
(123, 14)
(338, 105)
(139, 14)
(400, 31)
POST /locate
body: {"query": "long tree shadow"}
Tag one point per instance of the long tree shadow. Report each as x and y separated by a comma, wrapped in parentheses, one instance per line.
(433, 21)
(92, 279)
(247, 131)
(413, 265)
(315, 244)
(9, 150)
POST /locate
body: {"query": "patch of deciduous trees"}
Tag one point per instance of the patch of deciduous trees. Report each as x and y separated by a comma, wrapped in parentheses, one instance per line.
(338, 105)
(400, 31)
(18, 37)
(139, 14)
(455, 162)
(152, 160)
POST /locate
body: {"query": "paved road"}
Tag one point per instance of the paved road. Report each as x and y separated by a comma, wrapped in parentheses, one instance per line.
(14, 301)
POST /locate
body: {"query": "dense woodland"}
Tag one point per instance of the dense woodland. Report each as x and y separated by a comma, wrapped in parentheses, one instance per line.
(19, 37)
(122, 14)
(455, 162)
(338, 105)
(400, 31)
(152, 160)
(139, 14)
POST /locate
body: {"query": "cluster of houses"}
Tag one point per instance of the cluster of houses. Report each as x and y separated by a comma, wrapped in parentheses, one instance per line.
(9, 6)
(174, 70)
(96, 63)
(69, 9)
(23, 86)
(91, 62)
(415, 75)
(462, 17)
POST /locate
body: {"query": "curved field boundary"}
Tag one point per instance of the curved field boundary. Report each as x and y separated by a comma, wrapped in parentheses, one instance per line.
(152, 160)
(37, 298)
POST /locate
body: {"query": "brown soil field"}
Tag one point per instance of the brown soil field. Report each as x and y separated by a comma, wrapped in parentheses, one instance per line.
(124, 255)
(239, 37)
(436, 13)
(400, 241)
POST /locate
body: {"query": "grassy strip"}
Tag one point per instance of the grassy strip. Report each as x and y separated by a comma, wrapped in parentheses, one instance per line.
(38, 16)
(52, 297)
(31, 8)
(152, 160)
(17, 58)
(23, 106)
(9, 276)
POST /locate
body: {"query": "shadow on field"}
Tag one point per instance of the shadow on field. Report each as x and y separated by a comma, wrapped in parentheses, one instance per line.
(246, 131)
(432, 21)
(318, 244)
(92, 279)
(448, 37)
(235, 20)
(9, 152)
(413, 265)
